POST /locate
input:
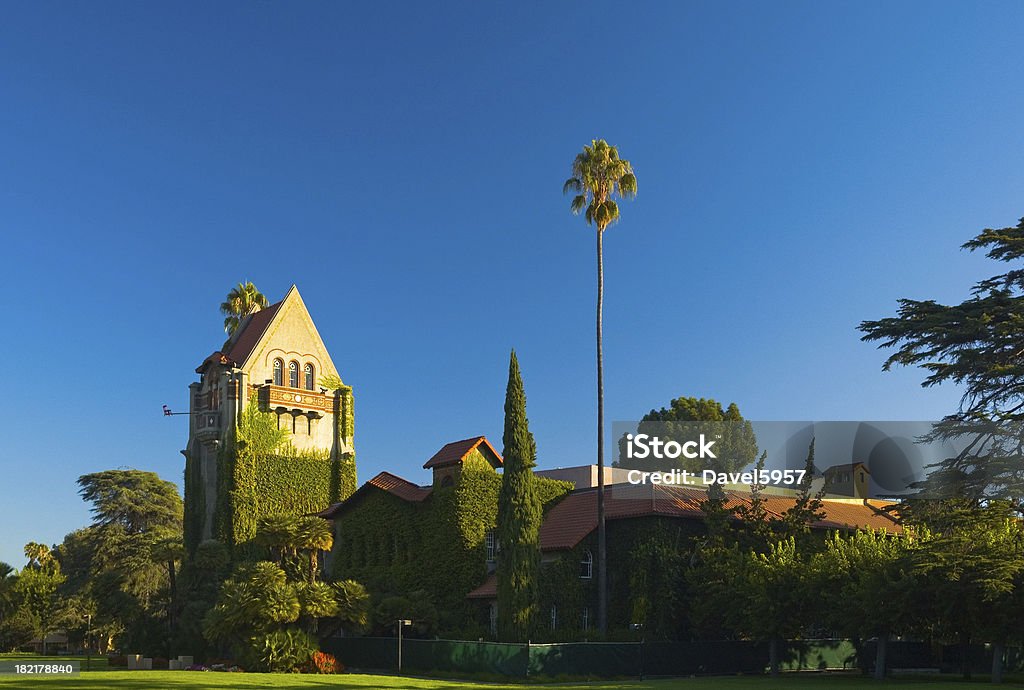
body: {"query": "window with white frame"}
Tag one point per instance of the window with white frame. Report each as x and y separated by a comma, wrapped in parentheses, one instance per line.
(491, 542)
(587, 565)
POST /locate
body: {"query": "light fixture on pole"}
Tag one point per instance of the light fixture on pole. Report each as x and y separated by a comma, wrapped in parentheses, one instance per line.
(401, 624)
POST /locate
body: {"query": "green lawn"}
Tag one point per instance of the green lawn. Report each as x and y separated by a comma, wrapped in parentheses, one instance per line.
(156, 680)
(102, 677)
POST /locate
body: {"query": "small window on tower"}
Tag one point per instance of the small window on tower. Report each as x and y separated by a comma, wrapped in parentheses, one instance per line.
(293, 374)
(308, 375)
(278, 372)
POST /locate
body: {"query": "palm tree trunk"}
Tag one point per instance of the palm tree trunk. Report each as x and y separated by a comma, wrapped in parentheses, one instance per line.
(602, 553)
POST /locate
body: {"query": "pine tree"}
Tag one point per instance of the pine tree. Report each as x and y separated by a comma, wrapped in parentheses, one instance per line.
(519, 518)
(808, 507)
(975, 345)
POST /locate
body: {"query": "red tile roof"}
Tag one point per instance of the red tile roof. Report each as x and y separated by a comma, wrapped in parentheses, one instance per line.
(575, 516)
(488, 590)
(402, 488)
(385, 481)
(456, 451)
(242, 344)
(217, 357)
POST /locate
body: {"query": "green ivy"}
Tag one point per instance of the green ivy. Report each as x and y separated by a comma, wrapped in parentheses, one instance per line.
(260, 473)
(397, 547)
(195, 504)
(646, 585)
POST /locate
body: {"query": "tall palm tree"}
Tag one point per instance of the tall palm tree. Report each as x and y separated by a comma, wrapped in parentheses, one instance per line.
(243, 300)
(598, 177)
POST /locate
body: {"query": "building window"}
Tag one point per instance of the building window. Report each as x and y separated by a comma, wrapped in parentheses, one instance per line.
(554, 616)
(586, 566)
(278, 372)
(307, 372)
(293, 374)
(585, 619)
(491, 540)
(493, 616)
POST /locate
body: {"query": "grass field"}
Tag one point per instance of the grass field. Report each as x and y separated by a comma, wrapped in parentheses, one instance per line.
(156, 680)
(106, 679)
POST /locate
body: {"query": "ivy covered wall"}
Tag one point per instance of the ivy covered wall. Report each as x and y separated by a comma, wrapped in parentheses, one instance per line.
(647, 557)
(195, 504)
(396, 547)
(260, 473)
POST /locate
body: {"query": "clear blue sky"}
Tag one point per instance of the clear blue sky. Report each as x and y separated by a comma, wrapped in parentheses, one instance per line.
(801, 165)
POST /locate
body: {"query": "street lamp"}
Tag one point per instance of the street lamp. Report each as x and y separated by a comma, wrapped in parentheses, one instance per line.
(401, 624)
(639, 627)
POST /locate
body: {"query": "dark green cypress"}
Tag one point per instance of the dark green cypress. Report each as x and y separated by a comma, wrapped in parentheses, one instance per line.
(519, 518)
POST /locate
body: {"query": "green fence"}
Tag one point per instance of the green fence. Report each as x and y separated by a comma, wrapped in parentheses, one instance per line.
(604, 659)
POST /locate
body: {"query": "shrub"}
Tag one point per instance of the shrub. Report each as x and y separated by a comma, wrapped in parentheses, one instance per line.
(284, 650)
(325, 663)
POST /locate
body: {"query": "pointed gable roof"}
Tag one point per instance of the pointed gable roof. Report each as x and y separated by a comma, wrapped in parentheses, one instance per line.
(456, 451)
(244, 341)
(256, 335)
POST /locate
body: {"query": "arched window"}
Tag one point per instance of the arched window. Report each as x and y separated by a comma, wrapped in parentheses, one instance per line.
(293, 374)
(491, 542)
(307, 372)
(278, 372)
(587, 566)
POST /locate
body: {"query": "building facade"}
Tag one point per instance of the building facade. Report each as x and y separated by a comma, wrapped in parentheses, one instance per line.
(277, 361)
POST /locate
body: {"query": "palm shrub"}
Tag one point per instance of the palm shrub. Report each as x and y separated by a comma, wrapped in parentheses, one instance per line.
(286, 650)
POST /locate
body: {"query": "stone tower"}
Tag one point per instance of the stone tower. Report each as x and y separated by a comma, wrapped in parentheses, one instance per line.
(276, 360)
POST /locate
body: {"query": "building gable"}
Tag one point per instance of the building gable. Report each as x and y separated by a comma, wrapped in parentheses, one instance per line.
(287, 333)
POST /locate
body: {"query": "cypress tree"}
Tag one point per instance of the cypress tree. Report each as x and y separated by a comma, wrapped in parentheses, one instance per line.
(519, 518)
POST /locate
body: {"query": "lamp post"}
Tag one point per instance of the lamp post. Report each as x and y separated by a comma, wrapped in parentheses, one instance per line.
(639, 627)
(401, 624)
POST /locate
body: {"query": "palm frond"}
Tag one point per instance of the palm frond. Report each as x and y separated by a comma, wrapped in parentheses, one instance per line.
(598, 175)
(606, 214)
(627, 185)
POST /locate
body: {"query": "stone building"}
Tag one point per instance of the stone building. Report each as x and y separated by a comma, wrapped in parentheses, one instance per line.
(277, 360)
